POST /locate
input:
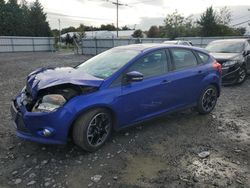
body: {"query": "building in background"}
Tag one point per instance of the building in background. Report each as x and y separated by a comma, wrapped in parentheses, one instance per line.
(109, 34)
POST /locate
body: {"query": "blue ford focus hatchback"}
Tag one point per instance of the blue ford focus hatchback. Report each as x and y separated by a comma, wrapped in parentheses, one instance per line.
(113, 90)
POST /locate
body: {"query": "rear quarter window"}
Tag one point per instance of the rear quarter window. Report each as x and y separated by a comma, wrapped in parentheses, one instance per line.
(204, 57)
(183, 58)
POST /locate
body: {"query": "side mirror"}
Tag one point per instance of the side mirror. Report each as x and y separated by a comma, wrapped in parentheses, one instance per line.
(134, 76)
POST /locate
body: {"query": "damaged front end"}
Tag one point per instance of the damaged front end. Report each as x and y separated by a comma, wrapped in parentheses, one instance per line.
(52, 98)
(41, 111)
(45, 118)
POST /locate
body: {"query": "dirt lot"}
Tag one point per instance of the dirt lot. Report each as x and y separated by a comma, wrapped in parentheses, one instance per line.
(163, 152)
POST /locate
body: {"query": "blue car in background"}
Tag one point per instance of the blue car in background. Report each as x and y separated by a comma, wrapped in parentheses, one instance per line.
(113, 90)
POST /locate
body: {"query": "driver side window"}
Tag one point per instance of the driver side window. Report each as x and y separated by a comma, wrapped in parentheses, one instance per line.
(151, 65)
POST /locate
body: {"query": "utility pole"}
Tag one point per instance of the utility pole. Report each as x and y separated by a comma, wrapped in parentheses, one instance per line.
(59, 22)
(117, 14)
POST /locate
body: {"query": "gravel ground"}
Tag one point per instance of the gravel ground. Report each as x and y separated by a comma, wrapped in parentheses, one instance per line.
(183, 149)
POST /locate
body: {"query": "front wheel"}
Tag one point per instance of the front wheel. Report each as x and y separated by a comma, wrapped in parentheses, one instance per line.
(92, 129)
(207, 100)
(242, 75)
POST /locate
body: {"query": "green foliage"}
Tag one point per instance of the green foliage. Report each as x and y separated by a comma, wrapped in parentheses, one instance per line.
(38, 24)
(208, 23)
(214, 23)
(109, 27)
(125, 28)
(174, 25)
(68, 29)
(55, 32)
(137, 34)
(81, 30)
(23, 20)
(179, 26)
(153, 32)
(224, 16)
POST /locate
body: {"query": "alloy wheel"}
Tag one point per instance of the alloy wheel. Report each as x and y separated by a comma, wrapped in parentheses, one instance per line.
(98, 129)
(209, 99)
(242, 75)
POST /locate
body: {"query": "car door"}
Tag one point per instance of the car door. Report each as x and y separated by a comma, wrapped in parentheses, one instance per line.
(145, 98)
(186, 77)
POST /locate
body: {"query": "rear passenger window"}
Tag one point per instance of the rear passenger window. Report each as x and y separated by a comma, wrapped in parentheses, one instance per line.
(204, 57)
(183, 58)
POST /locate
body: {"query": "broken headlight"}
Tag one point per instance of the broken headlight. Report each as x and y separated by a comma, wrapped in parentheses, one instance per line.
(49, 103)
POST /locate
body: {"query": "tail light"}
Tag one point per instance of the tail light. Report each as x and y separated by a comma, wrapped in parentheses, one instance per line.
(217, 66)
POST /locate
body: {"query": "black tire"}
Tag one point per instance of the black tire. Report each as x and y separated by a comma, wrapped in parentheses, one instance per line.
(85, 125)
(207, 100)
(242, 75)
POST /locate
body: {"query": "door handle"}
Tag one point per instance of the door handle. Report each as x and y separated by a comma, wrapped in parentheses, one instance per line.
(165, 82)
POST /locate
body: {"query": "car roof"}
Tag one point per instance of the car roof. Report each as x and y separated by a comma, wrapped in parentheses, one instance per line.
(153, 46)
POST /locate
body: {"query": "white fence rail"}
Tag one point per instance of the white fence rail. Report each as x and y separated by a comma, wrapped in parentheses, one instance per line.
(96, 46)
(203, 41)
(26, 44)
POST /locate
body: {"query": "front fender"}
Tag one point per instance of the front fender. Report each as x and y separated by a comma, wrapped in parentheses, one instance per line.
(100, 99)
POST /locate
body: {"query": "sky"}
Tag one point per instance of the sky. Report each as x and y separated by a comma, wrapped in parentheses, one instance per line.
(139, 14)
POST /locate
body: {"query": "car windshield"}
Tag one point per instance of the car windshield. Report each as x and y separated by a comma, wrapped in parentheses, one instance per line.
(107, 63)
(226, 47)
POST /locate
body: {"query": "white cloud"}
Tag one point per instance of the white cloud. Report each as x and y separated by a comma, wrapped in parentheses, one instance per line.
(140, 12)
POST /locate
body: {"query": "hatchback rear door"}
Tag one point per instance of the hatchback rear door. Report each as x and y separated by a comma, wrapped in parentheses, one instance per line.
(186, 76)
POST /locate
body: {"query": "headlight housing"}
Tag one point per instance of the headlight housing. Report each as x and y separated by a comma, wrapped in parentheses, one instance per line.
(229, 63)
(49, 103)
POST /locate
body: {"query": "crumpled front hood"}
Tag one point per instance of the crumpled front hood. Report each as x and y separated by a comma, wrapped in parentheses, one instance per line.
(225, 56)
(48, 77)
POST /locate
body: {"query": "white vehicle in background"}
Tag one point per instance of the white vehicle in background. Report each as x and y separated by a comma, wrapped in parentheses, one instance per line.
(178, 42)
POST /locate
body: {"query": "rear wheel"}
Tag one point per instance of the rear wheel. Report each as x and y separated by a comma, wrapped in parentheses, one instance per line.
(242, 75)
(207, 100)
(92, 129)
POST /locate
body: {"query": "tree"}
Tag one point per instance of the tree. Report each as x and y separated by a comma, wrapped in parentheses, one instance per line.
(38, 24)
(125, 28)
(153, 32)
(3, 20)
(81, 30)
(208, 23)
(22, 19)
(13, 18)
(224, 16)
(109, 27)
(240, 31)
(174, 25)
(217, 23)
(25, 19)
(68, 29)
(55, 32)
(137, 34)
